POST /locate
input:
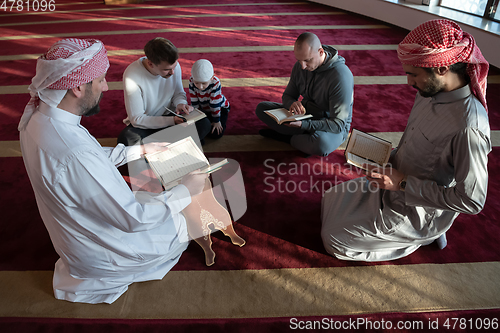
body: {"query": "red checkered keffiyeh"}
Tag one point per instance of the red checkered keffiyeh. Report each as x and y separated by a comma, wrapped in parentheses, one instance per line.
(94, 61)
(440, 43)
(67, 64)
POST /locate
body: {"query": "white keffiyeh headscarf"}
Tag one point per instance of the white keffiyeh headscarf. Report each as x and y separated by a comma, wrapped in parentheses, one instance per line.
(68, 63)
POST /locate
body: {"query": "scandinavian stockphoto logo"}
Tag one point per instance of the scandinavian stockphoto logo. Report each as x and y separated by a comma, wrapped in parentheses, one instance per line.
(223, 199)
(282, 177)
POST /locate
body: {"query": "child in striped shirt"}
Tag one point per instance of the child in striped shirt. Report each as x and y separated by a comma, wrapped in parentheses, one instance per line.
(206, 95)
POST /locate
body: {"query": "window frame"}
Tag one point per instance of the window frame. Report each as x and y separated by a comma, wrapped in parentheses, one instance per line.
(489, 12)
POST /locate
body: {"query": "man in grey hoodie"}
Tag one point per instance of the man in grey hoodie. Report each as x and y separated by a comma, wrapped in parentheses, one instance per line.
(326, 85)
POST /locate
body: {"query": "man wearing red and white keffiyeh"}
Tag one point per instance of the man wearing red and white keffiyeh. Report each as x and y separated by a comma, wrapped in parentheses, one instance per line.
(68, 64)
(441, 43)
(439, 168)
(106, 237)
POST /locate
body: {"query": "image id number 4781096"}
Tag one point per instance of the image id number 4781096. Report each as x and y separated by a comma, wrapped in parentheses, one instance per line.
(28, 5)
(469, 324)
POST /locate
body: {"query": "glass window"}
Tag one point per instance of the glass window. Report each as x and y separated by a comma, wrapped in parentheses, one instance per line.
(476, 7)
(497, 12)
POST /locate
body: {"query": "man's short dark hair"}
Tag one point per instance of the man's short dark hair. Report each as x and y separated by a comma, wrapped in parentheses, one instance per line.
(459, 68)
(160, 49)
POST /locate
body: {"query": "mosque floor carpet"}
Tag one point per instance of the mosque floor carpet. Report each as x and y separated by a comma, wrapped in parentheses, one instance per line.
(282, 279)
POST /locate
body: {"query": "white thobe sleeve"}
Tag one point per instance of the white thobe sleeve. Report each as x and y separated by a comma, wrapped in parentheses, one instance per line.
(121, 154)
(96, 185)
(468, 195)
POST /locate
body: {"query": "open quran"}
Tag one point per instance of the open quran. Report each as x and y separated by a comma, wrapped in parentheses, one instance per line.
(363, 148)
(189, 118)
(181, 158)
(282, 115)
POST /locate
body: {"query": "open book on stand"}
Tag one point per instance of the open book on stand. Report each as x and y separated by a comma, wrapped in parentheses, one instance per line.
(190, 118)
(282, 115)
(363, 148)
(181, 158)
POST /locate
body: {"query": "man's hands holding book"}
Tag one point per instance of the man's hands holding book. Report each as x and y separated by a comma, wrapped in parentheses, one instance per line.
(386, 178)
(153, 147)
(179, 109)
(296, 108)
(195, 182)
(297, 124)
(183, 108)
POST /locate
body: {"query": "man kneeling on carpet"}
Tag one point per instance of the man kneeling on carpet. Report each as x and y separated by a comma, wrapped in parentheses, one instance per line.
(106, 237)
(326, 84)
(439, 168)
(154, 93)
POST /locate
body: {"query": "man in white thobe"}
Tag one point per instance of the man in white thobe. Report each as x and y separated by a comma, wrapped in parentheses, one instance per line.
(439, 168)
(106, 237)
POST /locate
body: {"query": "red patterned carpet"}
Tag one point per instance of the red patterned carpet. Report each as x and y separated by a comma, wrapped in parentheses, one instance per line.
(281, 225)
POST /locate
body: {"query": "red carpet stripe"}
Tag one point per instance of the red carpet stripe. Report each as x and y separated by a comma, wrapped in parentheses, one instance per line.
(151, 8)
(232, 65)
(186, 23)
(242, 119)
(465, 321)
(227, 38)
(373, 106)
(274, 241)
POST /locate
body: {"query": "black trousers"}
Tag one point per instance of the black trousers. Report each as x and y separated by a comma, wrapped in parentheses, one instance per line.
(224, 112)
(131, 135)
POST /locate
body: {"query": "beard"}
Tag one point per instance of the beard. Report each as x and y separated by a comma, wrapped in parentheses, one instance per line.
(432, 87)
(95, 110)
(91, 110)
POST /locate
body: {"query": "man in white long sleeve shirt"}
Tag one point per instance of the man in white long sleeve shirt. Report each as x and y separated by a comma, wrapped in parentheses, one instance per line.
(439, 168)
(106, 237)
(151, 85)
